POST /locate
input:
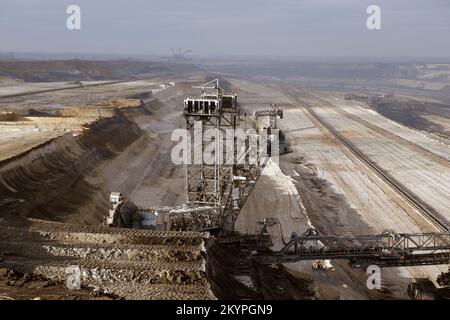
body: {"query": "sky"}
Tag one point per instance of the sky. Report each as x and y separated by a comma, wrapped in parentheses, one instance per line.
(410, 28)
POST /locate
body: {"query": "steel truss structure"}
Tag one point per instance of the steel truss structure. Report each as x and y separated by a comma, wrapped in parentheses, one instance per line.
(388, 249)
(226, 183)
(274, 112)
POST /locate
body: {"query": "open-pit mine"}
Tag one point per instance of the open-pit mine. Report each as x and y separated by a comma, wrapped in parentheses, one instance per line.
(322, 195)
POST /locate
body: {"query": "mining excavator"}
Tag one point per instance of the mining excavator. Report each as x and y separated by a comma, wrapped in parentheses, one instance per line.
(215, 193)
(213, 198)
(388, 249)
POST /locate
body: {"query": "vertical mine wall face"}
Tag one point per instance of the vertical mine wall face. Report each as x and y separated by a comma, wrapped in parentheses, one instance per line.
(50, 182)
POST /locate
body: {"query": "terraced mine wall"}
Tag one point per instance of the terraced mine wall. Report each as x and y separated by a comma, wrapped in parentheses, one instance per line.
(124, 263)
(51, 180)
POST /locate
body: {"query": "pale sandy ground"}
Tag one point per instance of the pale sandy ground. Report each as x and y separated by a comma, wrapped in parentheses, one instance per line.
(20, 136)
(8, 88)
(15, 142)
(79, 105)
(274, 195)
(423, 139)
(74, 97)
(376, 207)
(150, 179)
(428, 179)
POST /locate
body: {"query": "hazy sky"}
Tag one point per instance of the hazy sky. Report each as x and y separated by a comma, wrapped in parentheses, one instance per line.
(229, 27)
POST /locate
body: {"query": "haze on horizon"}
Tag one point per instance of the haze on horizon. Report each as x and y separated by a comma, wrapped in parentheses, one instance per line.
(412, 28)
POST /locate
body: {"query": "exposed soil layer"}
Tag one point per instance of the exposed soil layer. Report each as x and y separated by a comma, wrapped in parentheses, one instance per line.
(50, 181)
(124, 263)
